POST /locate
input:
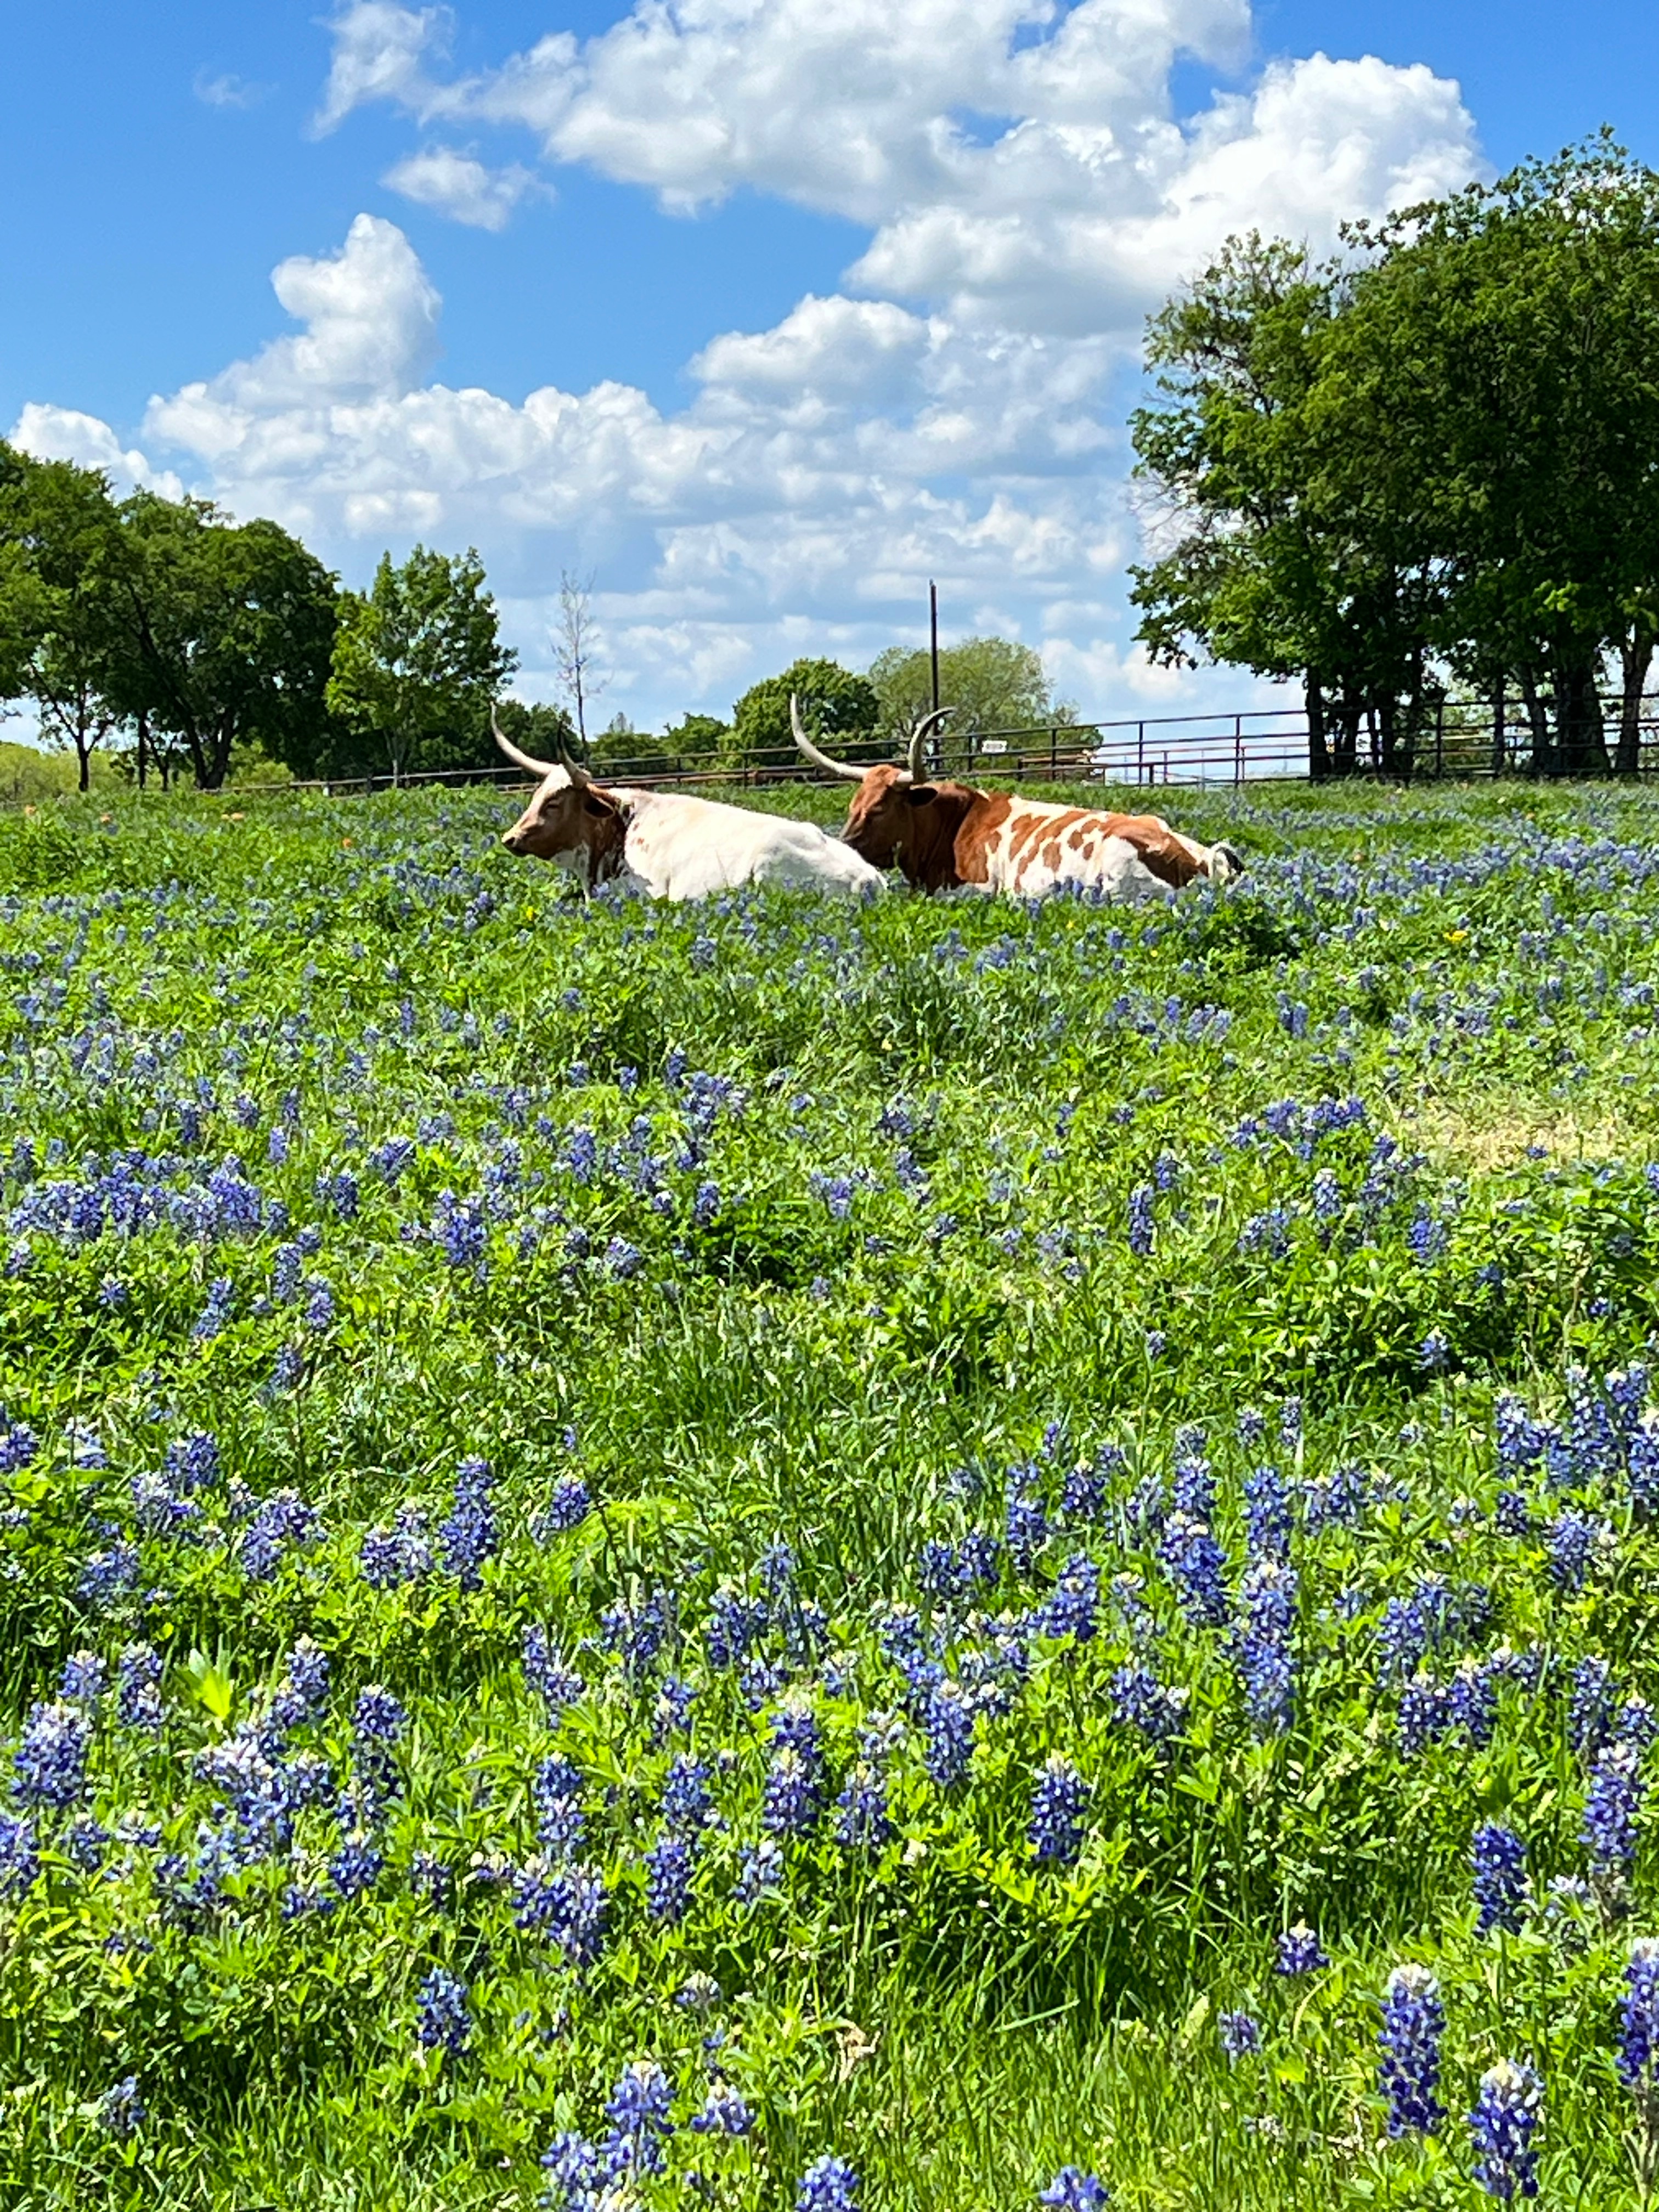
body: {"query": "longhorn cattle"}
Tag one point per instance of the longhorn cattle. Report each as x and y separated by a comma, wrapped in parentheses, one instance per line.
(945, 835)
(666, 845)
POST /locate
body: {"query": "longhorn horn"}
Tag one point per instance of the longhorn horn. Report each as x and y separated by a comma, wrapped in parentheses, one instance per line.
(528, 760)
(919, 737)
(803, 744)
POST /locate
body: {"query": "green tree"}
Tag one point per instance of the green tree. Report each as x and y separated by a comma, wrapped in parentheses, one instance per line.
(417, 661)
(542, 731)
(990, 683)
(60, 552)
(1278, 555)
(1500, 344)
(835, 704)
(222, 632)
(697, 741)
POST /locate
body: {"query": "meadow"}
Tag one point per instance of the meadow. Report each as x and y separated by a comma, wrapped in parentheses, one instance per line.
(920, 1555)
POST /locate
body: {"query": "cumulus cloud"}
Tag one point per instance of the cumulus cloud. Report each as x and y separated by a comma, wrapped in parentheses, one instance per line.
(455, 184)
(1013, 159)
(62, 434)
(952, 412)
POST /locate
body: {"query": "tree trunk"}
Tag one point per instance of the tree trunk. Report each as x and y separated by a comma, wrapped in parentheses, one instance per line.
(1543, 752)
(144, 748)
(1319, 758)
(1635, 656)
(1499, 751)
(1582, 747)
(83, 759)
(1345, 753)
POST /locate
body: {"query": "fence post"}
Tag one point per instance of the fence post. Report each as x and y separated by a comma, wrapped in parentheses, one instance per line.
(1439, 739)
(1238, 749)
(1054, 755)
(1140, 752)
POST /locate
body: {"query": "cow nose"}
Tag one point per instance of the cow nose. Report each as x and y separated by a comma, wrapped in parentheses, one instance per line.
(510, 839)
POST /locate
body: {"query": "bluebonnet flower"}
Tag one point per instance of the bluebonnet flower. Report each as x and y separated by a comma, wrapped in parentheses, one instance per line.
(303, 1691)
(723, 2112)
(357, 1865)
(1026, 1526)
(1268, 1595)
(280, 1520)
(1503, 2124)
(1590, 1714)
(469, 1536)
(1499, 1860)
(1074, 1603)
(1197, 1565)
(555, 1791)
(1267, 1514)
(1299, 1952)
(50, 1761)
(1413, 2024)
(1072, 2190)
(1434, 1353)
(461, 1227)
(319, 1315)
(685, 1798)
(1609, 1828)
(392, 1557)
(1639, 2019)
(569, 1904)
(569, 1507)
(214, 1316)
(1140, 1219)
(948, 1721)
(671, 1713)
(623, 1259)
(1422, 1715)
(1512, 1514)
(829, 2185)
(86, 1840)
(668, 1880)
(640, 2124)
(378, 1718)
(139, 1696)
(635, 1632)
(19, 1855)
(1192, 1490)
(1471, 1701)
(1058, 1804)
(863, 1821)
(1571, 1539)
(1241, 2034)
(121, 2109)
(84, 1679)
(443, 2021)
(1140, 1700)
(1638, 1722)
(735, 1621)
(760, 1870)
(548, 1672)
(793, 1797)
(1427, 1239)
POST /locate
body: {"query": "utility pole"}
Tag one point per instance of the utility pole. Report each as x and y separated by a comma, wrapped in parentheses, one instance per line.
(932, 625)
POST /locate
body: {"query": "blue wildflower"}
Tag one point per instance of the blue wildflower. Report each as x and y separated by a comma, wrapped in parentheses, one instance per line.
(469, 1536)
(1639, 2020)
(1241, 2034)
(1503, 2124)
(121, 2109)
(50, 1761)
(723, 2112)
(1058, 1805)
(638, 2113)
(829, 2185)
(443, 2021)
(1611, 1804)
(1413, 2024)
(1299, 1952)
(1499, 1860)
(1072, 2190)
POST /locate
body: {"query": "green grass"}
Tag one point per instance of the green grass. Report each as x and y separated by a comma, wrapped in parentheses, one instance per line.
(799, 1361)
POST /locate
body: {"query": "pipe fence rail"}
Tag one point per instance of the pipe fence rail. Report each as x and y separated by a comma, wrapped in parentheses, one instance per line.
(1266, 745)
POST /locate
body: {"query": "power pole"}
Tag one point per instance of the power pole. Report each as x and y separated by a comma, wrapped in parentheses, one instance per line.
(933, 624)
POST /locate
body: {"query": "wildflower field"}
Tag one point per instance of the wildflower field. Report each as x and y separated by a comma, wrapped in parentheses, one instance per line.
(785, 1554)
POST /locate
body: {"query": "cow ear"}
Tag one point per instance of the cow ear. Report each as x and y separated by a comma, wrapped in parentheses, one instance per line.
(919, 794)
(595, 802)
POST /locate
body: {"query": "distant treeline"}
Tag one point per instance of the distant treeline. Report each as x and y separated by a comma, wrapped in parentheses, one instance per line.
(1429, 464)
(181, 641)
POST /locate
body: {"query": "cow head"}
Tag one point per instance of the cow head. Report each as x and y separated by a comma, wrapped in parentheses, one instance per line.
(570, 820)
(895, 817)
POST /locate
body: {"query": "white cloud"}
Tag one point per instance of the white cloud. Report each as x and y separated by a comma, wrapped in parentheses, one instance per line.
(379, 49)
(1028, 195)
(227, 89)
(61, 434)
(455, 184)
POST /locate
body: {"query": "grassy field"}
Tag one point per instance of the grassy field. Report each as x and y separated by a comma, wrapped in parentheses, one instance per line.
(643, 1547)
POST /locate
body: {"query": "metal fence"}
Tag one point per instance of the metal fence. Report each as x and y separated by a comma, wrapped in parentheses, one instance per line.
(1260, 744)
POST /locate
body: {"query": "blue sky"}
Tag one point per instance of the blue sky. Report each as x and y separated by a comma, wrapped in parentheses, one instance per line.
(817, 300)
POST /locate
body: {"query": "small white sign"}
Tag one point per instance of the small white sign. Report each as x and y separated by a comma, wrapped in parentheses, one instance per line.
(993, 745)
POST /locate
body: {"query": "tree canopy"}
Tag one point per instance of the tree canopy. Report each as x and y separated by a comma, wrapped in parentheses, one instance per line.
(1432, 458)
(836, 705)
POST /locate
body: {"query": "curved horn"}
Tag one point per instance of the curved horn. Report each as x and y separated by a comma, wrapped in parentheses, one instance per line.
(919, 737)
(804, 745)
(528, 760)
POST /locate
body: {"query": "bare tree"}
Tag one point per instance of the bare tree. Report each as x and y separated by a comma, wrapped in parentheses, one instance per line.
(574, 639)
